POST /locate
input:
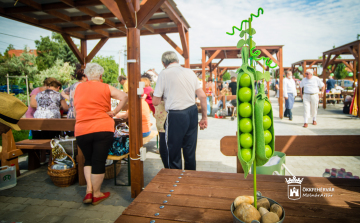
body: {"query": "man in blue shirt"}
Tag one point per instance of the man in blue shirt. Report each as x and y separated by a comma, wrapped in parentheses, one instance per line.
(330, 84)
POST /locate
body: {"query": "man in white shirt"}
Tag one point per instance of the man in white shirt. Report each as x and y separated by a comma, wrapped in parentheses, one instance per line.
(311, 85)
(178, 86)
(289, 93)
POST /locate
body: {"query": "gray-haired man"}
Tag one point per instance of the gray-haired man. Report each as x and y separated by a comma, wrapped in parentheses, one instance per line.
(178, 86)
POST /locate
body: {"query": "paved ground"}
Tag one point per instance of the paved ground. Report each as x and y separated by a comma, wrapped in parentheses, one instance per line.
(36, 199)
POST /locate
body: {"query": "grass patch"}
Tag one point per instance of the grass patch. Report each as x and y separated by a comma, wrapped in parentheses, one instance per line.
(18, 135)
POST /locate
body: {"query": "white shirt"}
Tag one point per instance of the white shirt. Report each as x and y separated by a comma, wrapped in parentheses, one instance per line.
(178, 85)
(289, 87)
(311, 86)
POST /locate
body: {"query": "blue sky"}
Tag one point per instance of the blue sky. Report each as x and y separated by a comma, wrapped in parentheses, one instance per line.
(306, 29)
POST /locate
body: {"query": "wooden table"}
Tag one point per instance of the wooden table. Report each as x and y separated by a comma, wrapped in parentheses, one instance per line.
(207, 197)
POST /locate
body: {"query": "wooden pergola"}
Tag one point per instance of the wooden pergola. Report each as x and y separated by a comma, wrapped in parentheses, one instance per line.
(312, 64)
(274, 52)
(330, 56)
(122, 18)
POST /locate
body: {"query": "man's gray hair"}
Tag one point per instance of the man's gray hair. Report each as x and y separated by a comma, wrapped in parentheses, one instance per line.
(287, 72)
(169, 57)
(93, 71)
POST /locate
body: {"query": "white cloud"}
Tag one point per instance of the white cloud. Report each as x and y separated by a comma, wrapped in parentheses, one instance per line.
(306, 28)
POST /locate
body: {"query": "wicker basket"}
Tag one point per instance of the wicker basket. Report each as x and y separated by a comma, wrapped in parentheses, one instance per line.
(109, 170)
(62, 178)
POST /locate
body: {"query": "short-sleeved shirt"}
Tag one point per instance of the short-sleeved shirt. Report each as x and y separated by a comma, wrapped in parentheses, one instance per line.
(177, 85)
(311, 86)
(30, 112)
(48, 104)
(91, 102)
(330, 84)
(70, 91)
(233, 86)
(126, 87)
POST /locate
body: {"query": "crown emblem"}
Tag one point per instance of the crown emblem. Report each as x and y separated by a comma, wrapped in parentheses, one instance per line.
(294, 180)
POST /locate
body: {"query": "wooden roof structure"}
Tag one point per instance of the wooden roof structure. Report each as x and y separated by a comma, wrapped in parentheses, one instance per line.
(122, 18)
(313, 63)
(274, 52)
(330, 56)
(73, 18)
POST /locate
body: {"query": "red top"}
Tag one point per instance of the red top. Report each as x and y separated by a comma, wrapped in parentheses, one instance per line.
(148, 99)
(91, 101)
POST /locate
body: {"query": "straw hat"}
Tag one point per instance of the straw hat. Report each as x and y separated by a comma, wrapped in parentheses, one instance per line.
(11, 110)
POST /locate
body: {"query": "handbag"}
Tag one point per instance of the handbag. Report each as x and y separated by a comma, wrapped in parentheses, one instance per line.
(120, 146)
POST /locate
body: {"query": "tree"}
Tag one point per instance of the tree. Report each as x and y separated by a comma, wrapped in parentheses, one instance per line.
(51, 49)
(111, 68)
(297, 75)
(62, 71)
(10, 47)
(18, 66)
(226, 76)
(340, 72)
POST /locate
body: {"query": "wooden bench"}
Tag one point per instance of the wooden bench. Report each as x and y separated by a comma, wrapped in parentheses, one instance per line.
(12, 150)
(302, 145)
(119, 158)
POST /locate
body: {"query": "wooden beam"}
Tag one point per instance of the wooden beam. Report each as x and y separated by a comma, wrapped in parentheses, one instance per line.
(96, 49)
(348, 66)
(169, 10)
(312, 64)
(147, 10)
(270, 56)
(157, 21)
(32, 4)
(83, 48)
(113, 7)
(353, 52)
(212, 57)
(187, 60)
(73, 48)
(216, 65)
(127, 11)
(332, 60)
(304, 145)
(81, 24)
(178, 49)
(149, 27)
(261, 65)
(183, 41)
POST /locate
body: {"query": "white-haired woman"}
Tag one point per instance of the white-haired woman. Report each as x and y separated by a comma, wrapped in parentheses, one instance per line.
(94, 127)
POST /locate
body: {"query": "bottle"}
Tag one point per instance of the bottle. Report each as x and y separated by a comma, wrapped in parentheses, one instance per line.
(327, 173)
(333, 175)
(30, 135)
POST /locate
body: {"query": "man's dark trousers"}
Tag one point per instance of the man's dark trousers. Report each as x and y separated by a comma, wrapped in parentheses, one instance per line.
(181, 132)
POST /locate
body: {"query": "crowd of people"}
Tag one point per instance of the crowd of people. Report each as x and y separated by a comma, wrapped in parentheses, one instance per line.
(89, 102)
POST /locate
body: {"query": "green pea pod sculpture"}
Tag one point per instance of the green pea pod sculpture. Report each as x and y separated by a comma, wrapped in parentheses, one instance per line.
(264, 128)
(245, 107)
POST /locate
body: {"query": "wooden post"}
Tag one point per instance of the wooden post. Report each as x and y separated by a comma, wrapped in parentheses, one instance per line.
(281, 73)
(215, 81)
(324, 78)
(135, 123)
(187, 60)
(358, 78)
(304, 68)
(83, 48)
(203, 69)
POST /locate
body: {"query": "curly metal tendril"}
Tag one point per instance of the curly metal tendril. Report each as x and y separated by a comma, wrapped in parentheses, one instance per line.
(251, 18)
(257, 53)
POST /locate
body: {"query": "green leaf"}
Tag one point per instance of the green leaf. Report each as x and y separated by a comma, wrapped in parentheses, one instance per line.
(252, 41)
(240, 43)
(242, 33)
(259, 75)
(253, 32)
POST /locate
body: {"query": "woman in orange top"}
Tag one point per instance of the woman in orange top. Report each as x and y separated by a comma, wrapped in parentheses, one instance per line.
(94, 128)
(145, 113)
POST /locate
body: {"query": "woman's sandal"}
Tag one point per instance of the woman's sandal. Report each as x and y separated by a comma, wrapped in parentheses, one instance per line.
(97, 200)
(88, 198)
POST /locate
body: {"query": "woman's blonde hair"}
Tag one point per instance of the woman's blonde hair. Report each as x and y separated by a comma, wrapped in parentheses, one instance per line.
(146, 80)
